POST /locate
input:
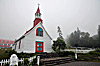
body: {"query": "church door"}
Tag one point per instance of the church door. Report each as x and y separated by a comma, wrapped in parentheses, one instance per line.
(39, 46)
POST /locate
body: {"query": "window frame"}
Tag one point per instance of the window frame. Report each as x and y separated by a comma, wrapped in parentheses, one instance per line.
(39, 32)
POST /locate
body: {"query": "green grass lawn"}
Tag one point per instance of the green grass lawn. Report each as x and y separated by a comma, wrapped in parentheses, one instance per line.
(4, 53)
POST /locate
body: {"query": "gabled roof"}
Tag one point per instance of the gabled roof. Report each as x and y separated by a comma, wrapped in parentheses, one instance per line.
(35, 26)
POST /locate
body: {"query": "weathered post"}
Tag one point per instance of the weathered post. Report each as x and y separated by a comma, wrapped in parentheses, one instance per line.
(76, 45)
(76, 53)
(38, 60)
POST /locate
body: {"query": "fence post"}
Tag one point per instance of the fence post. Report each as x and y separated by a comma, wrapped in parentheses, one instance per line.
(4, 61)
(23, 60)
(76, 53)
(1, 63)
(38, 60)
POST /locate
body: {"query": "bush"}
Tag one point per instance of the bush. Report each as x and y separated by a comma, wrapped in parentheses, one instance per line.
(97, 50)
(95, 53)
(7, 64)
(35, 60)
(12, 52)
(66, 53)
(26, 62)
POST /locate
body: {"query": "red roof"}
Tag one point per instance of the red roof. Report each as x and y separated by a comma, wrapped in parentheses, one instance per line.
(36, 21)
(38, 10)
(29, 30)
(4, 46)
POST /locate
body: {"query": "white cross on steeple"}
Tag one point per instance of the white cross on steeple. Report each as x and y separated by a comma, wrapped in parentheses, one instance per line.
(38, 4)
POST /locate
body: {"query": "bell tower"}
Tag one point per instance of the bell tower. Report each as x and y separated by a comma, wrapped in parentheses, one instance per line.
(37, 17)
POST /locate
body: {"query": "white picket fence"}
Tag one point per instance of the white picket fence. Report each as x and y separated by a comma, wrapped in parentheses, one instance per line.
(5, 61)
(79, 51)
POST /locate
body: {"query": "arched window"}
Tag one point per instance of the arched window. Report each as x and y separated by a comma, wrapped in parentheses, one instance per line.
(39, 32)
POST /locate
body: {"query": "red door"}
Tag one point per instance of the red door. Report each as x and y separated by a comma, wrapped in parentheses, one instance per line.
(39, 46)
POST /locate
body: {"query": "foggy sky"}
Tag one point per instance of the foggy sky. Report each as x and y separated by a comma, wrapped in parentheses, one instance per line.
(17, 16)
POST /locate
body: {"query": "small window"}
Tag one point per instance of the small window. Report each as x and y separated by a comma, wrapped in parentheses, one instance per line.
(37, 48)
(8, 44)
(5, 41)
(19, 44)
(41, 49)
(39, 32)
(1, 41)
(41, 44)
(37, 44)
(9, 41)
(5, 44)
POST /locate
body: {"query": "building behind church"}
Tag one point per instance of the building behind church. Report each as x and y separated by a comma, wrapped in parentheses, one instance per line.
(6, 43)
(36, 39)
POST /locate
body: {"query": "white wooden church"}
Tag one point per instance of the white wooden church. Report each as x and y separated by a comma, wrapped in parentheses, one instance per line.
(36, 39)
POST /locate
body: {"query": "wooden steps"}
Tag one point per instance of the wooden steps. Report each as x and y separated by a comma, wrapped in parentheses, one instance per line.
(55, 61)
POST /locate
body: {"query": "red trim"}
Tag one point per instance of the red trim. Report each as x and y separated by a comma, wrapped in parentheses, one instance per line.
(29, 30)
(39, 46)
(4, 46)
(42, 30)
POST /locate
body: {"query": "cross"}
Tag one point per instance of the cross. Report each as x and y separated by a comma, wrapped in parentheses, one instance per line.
(38, 4)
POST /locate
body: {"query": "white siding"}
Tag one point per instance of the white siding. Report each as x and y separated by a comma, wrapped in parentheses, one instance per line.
(28, 43)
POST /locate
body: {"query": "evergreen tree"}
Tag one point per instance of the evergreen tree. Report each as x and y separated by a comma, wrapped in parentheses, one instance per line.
(60, 33)
(98, 32)
(98, 35)
(78, 37)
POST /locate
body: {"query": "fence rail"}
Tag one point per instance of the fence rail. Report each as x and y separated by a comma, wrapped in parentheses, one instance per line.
(79, 51)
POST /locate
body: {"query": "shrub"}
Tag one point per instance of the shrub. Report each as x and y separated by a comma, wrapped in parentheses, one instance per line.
(12, 52)
(26, 62)
(7, 64)
(95, 53)
(66, 53)
(97, 50)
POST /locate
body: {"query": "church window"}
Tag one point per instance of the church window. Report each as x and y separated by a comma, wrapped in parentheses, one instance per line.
(37, 44)
(39, 32)
(37, 48)
(41, 49)
(19, 44)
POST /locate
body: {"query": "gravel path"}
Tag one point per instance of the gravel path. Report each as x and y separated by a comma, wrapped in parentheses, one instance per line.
(81, 64)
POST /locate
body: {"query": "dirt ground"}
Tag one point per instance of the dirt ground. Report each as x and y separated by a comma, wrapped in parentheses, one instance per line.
(80, 63)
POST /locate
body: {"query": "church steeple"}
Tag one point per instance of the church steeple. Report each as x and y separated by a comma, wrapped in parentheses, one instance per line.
(38, 14)
(37, 17)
